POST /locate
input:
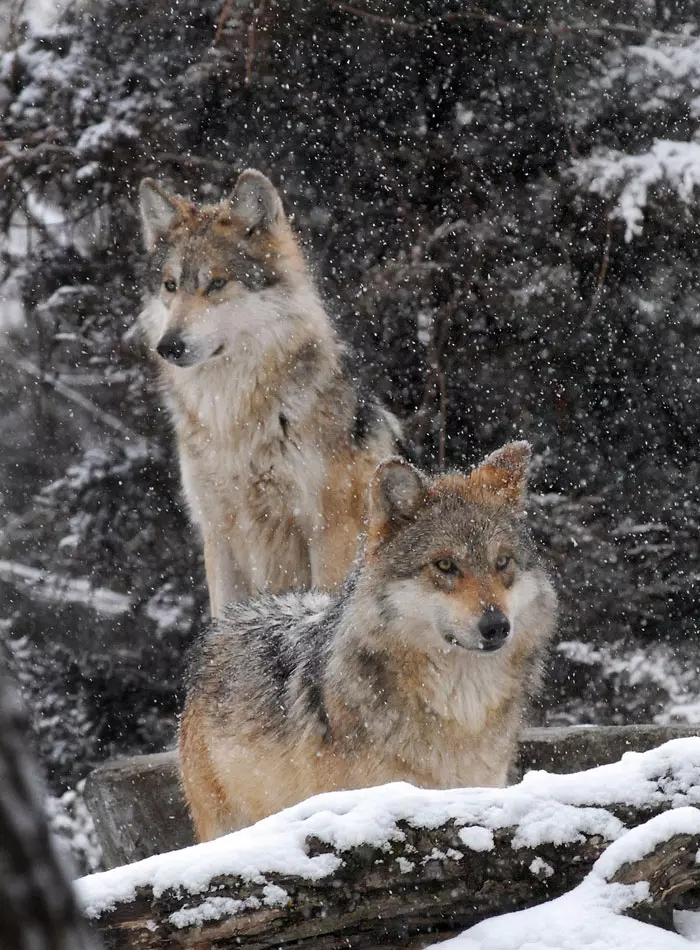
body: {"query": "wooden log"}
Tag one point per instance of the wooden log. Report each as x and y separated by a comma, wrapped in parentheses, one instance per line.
(440, 861)
(671, 871)
(137, 805)
(138, 810)
(642, 875)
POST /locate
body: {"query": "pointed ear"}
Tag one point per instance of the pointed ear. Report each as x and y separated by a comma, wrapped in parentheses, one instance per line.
(158, 211)
(256, 201)
(396, 494)
(503, 474)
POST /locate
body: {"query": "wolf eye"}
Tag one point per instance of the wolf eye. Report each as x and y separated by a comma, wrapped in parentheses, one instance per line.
(218, 283)
(503, 561)
(170, 286)
(446, 566)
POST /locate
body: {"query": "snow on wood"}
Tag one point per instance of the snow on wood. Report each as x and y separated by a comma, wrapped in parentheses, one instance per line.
(632, 879)
(395, 862)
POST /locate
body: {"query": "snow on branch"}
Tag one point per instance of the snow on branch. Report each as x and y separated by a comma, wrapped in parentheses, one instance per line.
(666, 57)
(366, 867)
(628, 178)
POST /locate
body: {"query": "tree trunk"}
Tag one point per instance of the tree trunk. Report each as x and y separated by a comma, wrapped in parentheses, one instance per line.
(38, 908)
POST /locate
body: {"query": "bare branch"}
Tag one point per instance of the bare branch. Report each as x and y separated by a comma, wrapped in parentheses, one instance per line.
(475, 14)
(604, 262)
(225, 10)
(106, 418)
(250, 52)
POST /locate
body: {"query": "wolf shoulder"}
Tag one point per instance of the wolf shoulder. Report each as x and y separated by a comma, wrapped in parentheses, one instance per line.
(258, 646)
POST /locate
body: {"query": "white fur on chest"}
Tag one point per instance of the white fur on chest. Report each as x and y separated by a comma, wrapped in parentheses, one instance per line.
(251, 488)
(227, 462)
(465, 739)
(467, 685)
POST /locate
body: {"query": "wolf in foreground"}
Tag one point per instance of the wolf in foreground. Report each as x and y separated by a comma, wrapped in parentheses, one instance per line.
(276, 443)
(418, 670)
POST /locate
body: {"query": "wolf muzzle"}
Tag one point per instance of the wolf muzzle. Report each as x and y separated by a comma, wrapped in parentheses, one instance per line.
(494, 628)
(172, 348)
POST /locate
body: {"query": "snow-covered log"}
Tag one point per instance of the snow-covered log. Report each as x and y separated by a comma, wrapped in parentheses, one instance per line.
(636, 881)
(390, 865)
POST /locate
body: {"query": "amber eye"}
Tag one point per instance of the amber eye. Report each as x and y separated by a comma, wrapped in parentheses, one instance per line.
(503, 561)
(446, 566)
(170, 286)
(218, 283)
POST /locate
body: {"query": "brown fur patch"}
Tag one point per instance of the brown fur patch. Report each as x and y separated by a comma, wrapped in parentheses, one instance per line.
(343, 503)
(475, 594)
(486, 485)
(203, 791)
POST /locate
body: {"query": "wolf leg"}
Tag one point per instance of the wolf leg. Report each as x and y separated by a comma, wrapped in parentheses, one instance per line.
(332, 553)
(225, 579)
(335, 542)
(206, 799)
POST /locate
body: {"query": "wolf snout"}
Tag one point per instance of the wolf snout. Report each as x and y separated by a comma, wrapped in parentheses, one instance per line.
(494, 628)
(172, 348)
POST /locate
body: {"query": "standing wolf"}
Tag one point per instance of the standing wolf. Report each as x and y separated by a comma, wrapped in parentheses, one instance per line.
(276, 444)
(419, 670)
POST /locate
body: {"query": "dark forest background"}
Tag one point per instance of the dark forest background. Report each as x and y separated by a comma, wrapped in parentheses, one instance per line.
(456, 175)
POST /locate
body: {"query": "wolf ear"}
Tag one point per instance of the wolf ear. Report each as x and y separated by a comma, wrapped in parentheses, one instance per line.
(158, 211)
(504, 473)
(255, 199)
(396, 493)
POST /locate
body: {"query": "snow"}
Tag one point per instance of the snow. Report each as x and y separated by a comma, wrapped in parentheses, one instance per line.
(655, 667)
(588, 917)
(73, 829)
(540, 868)
(687, 923)
(103, 134)
(213, 908)
(642, 840)
(610, 173)
(56, 589)
(477, 839)
(542, 808)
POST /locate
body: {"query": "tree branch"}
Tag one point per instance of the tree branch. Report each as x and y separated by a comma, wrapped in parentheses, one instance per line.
(475, 14)
(100, 415)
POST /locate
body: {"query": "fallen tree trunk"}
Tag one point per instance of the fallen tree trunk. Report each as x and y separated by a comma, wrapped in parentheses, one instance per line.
(638, 877)
(394, 866)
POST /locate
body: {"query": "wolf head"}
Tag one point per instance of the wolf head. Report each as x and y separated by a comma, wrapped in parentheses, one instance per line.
(215, 270)
(450, 559)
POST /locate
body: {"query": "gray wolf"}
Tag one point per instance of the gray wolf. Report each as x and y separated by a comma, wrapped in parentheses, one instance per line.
(419, 670)
(276, 442)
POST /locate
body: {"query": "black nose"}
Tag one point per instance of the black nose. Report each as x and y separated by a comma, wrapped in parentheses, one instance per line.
(494, 627)
(172, 347)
